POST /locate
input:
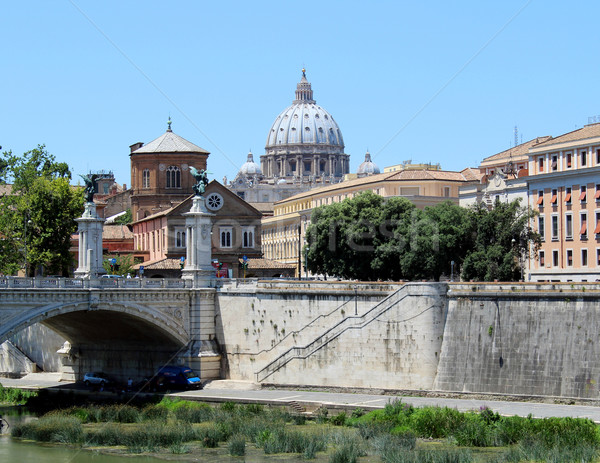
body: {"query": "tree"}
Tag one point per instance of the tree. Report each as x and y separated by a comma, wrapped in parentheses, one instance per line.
(37, 218)
(122, 266)
(503, 239)
(124, 219)
(359, 238)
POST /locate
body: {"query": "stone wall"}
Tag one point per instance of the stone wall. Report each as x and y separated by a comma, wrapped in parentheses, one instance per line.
(386, 347)
(530, 339)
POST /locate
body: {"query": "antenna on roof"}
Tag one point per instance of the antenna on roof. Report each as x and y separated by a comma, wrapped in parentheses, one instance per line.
(593, 119)
(516, 136)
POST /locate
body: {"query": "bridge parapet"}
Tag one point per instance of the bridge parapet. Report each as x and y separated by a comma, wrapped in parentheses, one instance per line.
(95, 283)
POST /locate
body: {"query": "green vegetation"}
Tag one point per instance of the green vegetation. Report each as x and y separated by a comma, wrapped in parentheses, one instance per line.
(12, 396)
(37, 215)
(396, 434)
(403, 242)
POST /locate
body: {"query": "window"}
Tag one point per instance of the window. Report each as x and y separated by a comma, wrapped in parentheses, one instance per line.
(540, 200)
(180, 238)
(597, 195)
(569, 258)
(583, 158)
(583, 229)
(555, 258)
(173, 177)
(584, 257)
(598, 156)
(569, 155)
(446, 191)
(598, 257)
(247, 237)
(541, 229)
(225, 233)
(554, 197)
(146, 178)
(554, 162)
(541, 163)
(568, 195)
(597, 229)
(542, 259)
(569, 226)
(554, 227)
(582, 193)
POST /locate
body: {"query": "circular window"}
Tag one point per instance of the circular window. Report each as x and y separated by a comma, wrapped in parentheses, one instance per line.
(214, 201)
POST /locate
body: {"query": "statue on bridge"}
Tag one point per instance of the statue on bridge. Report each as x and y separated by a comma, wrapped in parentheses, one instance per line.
(90, 188)
(201, 177)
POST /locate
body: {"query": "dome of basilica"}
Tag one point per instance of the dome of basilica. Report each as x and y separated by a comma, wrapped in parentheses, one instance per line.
(305, 123)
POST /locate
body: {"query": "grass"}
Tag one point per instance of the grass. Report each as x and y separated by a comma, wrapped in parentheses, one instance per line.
(396, 434)
(13, 396)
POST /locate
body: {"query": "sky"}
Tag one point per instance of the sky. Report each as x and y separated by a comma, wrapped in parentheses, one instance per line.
(426, 81)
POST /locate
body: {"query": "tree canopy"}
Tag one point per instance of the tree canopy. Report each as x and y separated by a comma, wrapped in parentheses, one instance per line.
(37, 213)
(371, 238)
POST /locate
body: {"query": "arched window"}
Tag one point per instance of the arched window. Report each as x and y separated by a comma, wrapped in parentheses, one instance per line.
(173, 177)
(180, 239)
(247, 237)
(146, 178)
(225, 233)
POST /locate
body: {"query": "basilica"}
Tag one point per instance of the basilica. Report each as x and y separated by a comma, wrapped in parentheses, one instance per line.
(304, 149)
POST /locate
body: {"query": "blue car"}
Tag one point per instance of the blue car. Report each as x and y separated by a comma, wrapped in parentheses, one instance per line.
(176, 377)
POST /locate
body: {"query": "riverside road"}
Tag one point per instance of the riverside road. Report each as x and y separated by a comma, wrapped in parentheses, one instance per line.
(236, 391)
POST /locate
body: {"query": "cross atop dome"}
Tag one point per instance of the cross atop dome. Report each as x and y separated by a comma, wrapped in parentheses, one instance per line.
(169, 122)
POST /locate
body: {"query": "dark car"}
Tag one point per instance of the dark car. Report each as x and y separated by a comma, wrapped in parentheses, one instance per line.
(175, 377)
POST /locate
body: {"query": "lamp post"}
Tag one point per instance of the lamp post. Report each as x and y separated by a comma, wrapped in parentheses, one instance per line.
(28, 222)
(451, 271)
(355, 299)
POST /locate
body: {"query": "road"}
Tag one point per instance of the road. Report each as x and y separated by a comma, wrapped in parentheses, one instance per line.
(247, 392)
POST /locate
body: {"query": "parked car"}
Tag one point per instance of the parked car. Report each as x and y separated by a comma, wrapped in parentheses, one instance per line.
(175, 377)
(97, 379)
(111, 276)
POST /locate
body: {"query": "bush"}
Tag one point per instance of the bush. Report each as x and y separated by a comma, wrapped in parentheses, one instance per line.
(60, 429)
(339, 419)
(435, 422)
(193, 412)
(155, 413)
(473, 432)
(14, 396)
(237, 446)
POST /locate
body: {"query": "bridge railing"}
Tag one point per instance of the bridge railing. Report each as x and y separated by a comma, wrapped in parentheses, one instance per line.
(96, 283)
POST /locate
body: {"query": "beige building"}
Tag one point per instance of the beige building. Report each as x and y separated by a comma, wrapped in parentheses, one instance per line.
(283, 233)
(564, 187)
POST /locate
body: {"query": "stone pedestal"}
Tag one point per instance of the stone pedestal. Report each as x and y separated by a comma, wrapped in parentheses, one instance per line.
(198, 262)
(90, 243)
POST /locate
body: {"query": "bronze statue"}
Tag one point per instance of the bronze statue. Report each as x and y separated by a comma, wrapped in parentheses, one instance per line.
(90, 188)
(201, 177)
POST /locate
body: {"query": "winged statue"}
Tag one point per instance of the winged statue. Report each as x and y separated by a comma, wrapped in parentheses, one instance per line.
(90, 189)
(201, 177)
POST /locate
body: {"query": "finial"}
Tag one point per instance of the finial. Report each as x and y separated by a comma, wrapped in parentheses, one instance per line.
(304, 73)
(169, 125)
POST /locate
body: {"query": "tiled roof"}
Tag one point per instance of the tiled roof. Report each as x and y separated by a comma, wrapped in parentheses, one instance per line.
(255, 264)
(170, 142)
(424, 174)
(521, 150)
(588, 131)
(162, 264)
(116, 232)
(471, 175)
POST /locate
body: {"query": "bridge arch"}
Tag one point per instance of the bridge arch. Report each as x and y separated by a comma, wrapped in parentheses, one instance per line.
(77, 320)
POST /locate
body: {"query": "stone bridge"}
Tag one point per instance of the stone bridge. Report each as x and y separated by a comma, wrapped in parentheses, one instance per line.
(116, 325)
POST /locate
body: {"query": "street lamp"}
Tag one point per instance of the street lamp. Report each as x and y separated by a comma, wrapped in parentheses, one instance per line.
(451, 271)
(355, 299)
(28, 222)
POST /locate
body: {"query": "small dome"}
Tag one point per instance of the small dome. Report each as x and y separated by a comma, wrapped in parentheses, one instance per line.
(250, 168)
(368, 167)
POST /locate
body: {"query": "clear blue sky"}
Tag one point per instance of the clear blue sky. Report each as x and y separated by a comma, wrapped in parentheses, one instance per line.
(431, 81)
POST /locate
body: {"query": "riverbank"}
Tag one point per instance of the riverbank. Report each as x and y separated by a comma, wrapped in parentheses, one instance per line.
(398, 433)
